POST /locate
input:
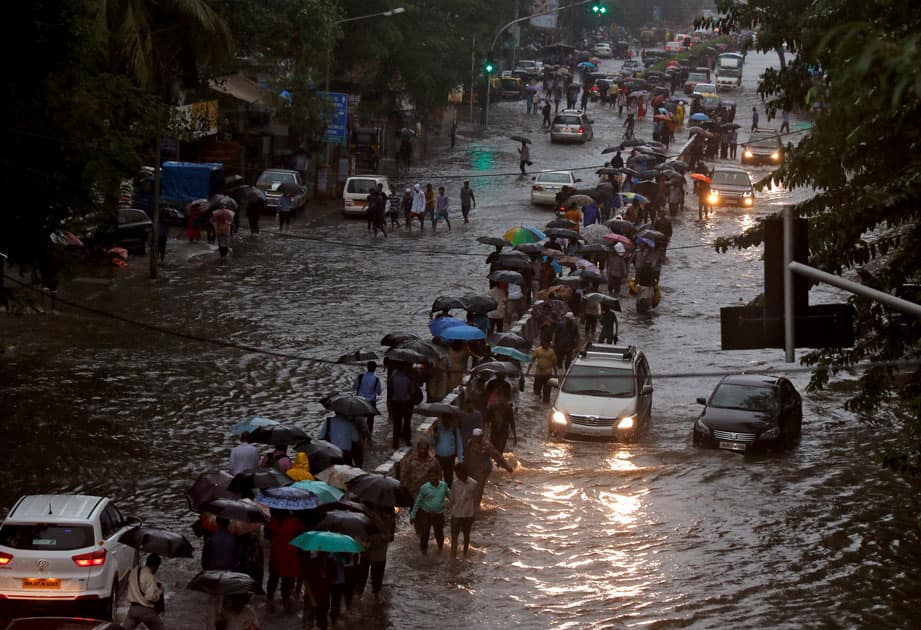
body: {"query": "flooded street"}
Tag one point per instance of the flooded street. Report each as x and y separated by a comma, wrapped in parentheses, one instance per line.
(581, 534)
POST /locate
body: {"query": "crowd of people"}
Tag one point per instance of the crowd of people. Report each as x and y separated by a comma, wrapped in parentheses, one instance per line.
(415, 204)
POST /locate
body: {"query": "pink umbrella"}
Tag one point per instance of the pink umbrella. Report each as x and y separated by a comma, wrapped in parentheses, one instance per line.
(620, 238)
(584, 264)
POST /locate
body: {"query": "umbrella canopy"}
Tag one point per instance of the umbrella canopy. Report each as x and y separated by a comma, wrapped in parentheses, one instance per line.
(251, 425)
(520, 139)
(563, 233)
(620, 226)
(320, 454)
(626, 241)
(586, 65)
(447, 303)
(355, 524)
(699, 117)
(223, 583)
(531, 249)
(495, 241)
(479, 304)
(562, 223)
(327, 541)
(159, 541)
(405, 355)
(595, 233)
(607, 150)
(678, 165)
(731, 125)
(288, 498)
(209, 486)
(579, 200)
(648, 242)
(440, 410)
(259, 479)
(497, 367)
(463, 333)
(632, 142)
(222, 201)
(395, 339)
(380, 491)
(502, 275)
(440, 324)
(339, 475)
(359, 356)
(244, 511)
(701, 178)
(595, 251)
(324, 492)
(522, 264)
(607, 170)
(654, 235)
(430, 350)
(630, 196)
(347, 405)
(522, 234)
(590, 274)
(575, 282)
(278, 434)
(606, 300)
(510, 340)
(511, 353)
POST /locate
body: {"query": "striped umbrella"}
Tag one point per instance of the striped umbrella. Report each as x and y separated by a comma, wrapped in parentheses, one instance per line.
(521, 234)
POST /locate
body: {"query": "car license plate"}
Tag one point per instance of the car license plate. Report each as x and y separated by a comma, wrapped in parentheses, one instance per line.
(41, 583)
(733, 446)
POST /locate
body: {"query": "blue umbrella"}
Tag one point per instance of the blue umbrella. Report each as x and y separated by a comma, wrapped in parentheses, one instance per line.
(512, 353)
(646, 241)
(327, 541)
(440, 324)
(699, 117)
(586, 64)
(288, 498)
(324, 492)
(251, 425)
(462, 333)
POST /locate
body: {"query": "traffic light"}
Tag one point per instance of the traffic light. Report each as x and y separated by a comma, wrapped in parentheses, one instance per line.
(489, 67)
(599, 9)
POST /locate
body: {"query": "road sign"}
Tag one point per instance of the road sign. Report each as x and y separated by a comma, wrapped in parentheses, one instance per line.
(336, 124)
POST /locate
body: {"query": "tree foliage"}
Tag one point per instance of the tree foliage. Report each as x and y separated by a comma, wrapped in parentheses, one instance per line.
(856, 64)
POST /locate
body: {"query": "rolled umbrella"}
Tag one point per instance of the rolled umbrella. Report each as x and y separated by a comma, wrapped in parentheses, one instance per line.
(594, 234)
(405, 355)
(159, 541)
(347, 405)
(701, 178)
(495, 241)
(511, 353)
(563, 233)
(355, 524)
(579, 200)
(278, 435)
(605, 300)
(505, 368)
(208, 487)
(244, 511)
(463, 333)
(620, 226)
(626, 241)
(324, 492)
(245, 482)
(287, 498)
(567, 224)
(520, 139)
(395, 339)
(510, 340)
(447, 303)
(440, 324)
(339, 475)
(359, 356)
(380, 491)
(512, 277)
(223, 583)
(329, 542)
(251, 425)
(439, 410)
(522, 234)
(320, 454)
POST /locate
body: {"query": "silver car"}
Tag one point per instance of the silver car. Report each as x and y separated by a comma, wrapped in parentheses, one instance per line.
(571, 125)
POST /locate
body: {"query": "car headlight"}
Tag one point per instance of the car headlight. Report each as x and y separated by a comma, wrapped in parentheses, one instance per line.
(559, 417)
(626, 423)
(771, 434)
(748, 153)
(775, 155)
(714, 197)
(702, 428)
(748, 201)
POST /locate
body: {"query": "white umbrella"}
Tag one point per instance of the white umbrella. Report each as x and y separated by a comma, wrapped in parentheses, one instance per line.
(595, 233)
(339, 475)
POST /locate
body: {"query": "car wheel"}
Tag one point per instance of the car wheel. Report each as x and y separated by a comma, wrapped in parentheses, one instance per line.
(106, 608)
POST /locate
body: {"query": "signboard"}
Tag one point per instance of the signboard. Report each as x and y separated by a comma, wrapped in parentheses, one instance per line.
(195, 121)
(336, 131)
(544, 21)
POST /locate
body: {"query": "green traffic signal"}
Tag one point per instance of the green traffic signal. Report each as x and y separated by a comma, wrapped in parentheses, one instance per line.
(599, 9)
(489, 67)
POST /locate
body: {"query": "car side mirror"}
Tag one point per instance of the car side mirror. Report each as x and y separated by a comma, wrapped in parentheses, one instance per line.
(647, 389)
(578, 179)
(553, 382)
(702, 401)
(133, 521)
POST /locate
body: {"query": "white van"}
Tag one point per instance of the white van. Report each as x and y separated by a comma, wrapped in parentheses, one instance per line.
(356, 191)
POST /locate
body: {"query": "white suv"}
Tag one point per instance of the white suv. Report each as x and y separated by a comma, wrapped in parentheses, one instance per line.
(61, 547)
(607, 393)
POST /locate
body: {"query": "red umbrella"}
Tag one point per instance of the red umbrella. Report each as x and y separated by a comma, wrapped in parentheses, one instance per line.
(620, 238)
(701, 178)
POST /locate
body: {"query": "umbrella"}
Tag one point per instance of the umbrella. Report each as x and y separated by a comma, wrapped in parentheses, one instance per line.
(431, 351)
(563, 233)
(354, 524)
(380, 491)
(320, 454)
(633, 142)
(405, 355)
(339, 475)
(447, 303)
(579, 200)
(645, 241)
(606, 300)
(662, 117)
(678, 165)
(278, 435)
(563, 223)
(251, 425)
(495, 241)
(440, 324)
(158, 541)
(324, 492)
(510, 340)
(359, 356)
(502, 275)
(699, 117)
(496, 367)
(522, 264)
(521, 234)
(395, 339)
(591, 274)
(479, 304)
(630, 196)
(607, 170)
(245, 511)
(701, 178)
(613, 149)
(223, 583)
(532, 249)
(222, 201)
(655, 235)
(440, 410)
(511, 353)
(259, 479)
(587, 65)
(620, 226)
(208, 487)
(510, 255)
(695, 129)
(348, 405)
(626, 241)
(287, 498)
(662, 110)
(731, 125)
(595, 250)
(594, 233)
(463, 333)
(520, 139)
(327, 541)
(638, 93)
(341, 505)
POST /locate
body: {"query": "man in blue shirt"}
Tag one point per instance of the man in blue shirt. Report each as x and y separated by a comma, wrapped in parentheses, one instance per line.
(368, 386)
(590, 214)
(284, 212)
(342, 432)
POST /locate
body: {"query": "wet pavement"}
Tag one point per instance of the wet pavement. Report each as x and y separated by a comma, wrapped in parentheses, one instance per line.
(582, 534)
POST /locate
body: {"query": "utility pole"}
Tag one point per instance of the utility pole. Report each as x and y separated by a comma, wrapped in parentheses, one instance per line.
(155, 215)
(472, 74)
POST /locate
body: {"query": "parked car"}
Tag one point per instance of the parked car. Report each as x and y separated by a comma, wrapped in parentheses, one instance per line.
(602, 50)
(571, 125)
(131, 229)
(731, 186)
(747, 412)
(62, 547)
(704, 88)
(274, 181)
(763, 146)
(356, 190)
(606, 393)
(546, 186)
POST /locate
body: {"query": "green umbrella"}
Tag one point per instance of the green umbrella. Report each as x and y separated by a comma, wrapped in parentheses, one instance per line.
(326, 541)
(325, 492)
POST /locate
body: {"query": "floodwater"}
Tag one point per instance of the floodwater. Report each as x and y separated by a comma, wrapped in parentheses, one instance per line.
(581, 534)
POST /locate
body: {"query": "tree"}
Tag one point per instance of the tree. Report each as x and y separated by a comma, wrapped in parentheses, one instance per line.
(855, 64)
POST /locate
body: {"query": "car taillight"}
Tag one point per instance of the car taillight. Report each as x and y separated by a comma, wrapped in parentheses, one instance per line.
(581, 130)
(538, 187)
(5, 559)
(92, 559)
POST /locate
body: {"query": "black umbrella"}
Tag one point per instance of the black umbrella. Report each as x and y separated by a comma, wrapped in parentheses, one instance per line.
(522, 265)
(610, 150)
(509, 255)
(278, 435)
(495, 241)
(290, 188)
(575, 282)
(354, 524)
(158, 541)
(678, 165)
(208, 487)
(606, 300)
(607, 170)
(253, 194)
(405, 355)
(626, 170)
(566, 224)
(359, 356)
(593, 251)
(347, 405)
(379, 490)
(395, 339)
(624, 228)
(236, 510)
(441, 410)
(730, 125)
(434, 353)
(520, 139)
(563, 233)
(510, 340)
(223, 583)
(633, 142)
(506, 368)
(320, 453)
(447, 303)
(512, 277)
(479, 304)
(225, 201)
(592, 275)
(654, 235)
(258, 480)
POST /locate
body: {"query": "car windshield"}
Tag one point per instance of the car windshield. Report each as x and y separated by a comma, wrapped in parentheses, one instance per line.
(730, 178)
(362, 186)
(746, 397)
(271, 177)
(704, 87)
(554, 178)
(596, 380)
(566, 120)
(698, 76)
(764, 140)
(709, 101)
(46, 536)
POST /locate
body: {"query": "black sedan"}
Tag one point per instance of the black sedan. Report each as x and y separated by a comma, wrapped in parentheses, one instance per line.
(748, 412)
